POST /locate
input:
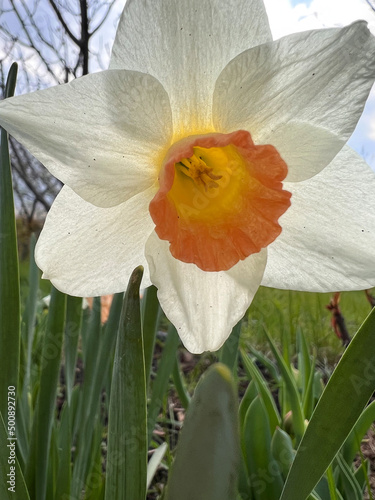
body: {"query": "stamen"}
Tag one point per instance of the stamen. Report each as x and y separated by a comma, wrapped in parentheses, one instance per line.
(197, 169)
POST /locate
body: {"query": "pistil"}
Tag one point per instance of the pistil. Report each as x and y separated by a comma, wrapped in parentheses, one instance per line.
(197, 169)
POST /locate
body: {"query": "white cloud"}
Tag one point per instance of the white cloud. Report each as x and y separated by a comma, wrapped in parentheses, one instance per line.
(286, 19)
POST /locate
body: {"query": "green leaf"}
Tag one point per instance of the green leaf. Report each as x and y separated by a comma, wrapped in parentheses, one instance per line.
(95, 478)
(206, 463)
(24, 417)
(180, 386)
(127, 421)
(9, 273)
(308, 398)
(229, 351)
(24, 414)
(8, 491)
(322, 489)
(249, 396)
(71, 335)
(292, 390)
(64, 454)
(353, 441)
(282, 450)
(334, 494)
(89, 397)
(160, 385)
(304, 362)
(266, 362)
(263, 470)
(264, 392)
(347, 393)
(37, 465)
(346, 480)
(362, 476)
(151, 313)
(101, 348)
(30, 312)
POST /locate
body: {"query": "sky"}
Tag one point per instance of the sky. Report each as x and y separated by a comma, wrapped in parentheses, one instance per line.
(290, 16)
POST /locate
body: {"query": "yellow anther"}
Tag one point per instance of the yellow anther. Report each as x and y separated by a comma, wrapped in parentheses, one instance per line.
(195, 168)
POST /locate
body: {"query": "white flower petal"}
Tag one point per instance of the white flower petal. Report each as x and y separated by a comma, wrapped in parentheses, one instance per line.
(318, 78)
(328, 237)
(104, 134)
(87, 251)
(204, 306)
(305, 148)
(185, 44)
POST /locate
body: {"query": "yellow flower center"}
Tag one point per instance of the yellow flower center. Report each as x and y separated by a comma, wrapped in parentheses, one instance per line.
(220, 198)
(215, 176)
(196, 168)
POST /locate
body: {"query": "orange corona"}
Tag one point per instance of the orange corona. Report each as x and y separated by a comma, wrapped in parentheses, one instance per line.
(220, 199)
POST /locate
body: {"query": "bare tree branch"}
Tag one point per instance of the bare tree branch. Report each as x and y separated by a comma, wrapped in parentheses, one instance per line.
(32, 42)
(51, 40)
(63, 23)
(105, 17)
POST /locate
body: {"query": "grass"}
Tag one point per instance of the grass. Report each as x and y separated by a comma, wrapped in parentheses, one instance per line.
(286, 312)
(283, 311)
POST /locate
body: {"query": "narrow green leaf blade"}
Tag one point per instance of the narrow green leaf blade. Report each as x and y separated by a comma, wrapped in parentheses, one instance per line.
(9, 273)
(266, 362)
(346, 481)
(249, 396)
(150, 314)
(308, 403)
(71, 335)
(102, 347)
(282, 450)
(304, 362)
(160, 385)
(353, 441)
(263, 470)
(30, 312)
(89, 400)
(264, 392)
(291, 387)
(37, 466)
(206, 463)
(347, 392)
(63, 478)
(180, 386)
(24, 418)
(127, 421)
(229, 351)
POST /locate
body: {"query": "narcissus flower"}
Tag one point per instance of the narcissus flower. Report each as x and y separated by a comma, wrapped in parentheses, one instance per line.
(213, 156)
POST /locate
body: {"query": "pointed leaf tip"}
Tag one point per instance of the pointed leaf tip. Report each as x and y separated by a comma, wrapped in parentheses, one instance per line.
(135, 280)
(11, 80)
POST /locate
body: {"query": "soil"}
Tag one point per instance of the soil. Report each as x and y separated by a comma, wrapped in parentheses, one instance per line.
(368, 451)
